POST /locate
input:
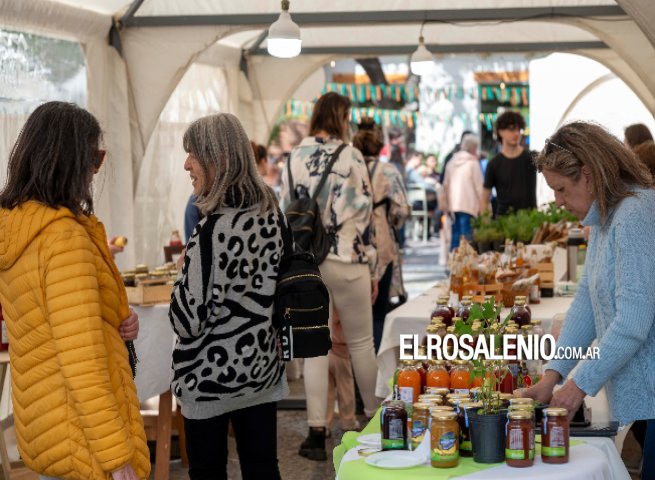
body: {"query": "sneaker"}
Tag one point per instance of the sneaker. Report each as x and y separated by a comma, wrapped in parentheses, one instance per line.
(314, 445)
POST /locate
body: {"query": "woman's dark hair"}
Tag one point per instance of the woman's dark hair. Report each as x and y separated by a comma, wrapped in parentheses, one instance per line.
(259, 151)
(368, 139)
(637, 134)
(330, 114)
(53, 159)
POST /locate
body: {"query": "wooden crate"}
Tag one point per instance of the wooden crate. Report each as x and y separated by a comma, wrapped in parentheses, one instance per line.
(546, 274)
(149, 293)
(480, 291)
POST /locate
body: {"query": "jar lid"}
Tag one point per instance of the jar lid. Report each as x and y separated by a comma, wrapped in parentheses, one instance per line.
(443, 415)
(521, 401)
(407, 363)
(436, 319)
(432, 328)
(457, 395)
(472, 405)
(535, 322)
(440, 408)
(556, 412)
(459, 400)
(425, 397)
(437, 390)
(421, 406)
(437, 363)
(524, 407)
(505, 396)
(394, 404)
(520, 415)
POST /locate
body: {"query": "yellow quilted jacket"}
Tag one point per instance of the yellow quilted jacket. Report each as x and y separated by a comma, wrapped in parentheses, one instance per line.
(75, 405)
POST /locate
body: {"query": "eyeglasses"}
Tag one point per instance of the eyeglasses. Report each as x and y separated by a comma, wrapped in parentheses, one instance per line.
(548, 143)
(100, 158)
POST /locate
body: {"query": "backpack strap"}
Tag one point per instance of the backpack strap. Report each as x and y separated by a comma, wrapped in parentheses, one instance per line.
(292, 190)
(287, 238)
(328, 168)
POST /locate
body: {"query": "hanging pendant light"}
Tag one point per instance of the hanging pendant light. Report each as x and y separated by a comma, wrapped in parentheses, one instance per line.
(421, 61)
(284, 35)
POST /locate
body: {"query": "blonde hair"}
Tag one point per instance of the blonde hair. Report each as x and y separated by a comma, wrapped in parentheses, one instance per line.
(615, 170)
(221, 141)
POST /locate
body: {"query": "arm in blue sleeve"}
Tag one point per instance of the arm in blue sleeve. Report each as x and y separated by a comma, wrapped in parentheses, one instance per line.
(635, 303)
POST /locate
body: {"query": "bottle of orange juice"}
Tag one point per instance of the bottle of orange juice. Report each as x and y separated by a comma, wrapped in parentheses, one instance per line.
(438, 375)
(409, 383)
(460, 377)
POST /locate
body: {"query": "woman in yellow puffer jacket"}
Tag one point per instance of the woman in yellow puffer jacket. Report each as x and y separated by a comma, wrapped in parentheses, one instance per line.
(75, 405)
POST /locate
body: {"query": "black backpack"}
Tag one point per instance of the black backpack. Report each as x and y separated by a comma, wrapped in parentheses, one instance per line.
(304, 216)
(302, 303)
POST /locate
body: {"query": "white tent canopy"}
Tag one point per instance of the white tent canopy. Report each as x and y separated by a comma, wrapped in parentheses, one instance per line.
(133, 70)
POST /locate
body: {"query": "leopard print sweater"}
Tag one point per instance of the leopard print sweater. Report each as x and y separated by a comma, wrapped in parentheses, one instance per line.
(226, 356)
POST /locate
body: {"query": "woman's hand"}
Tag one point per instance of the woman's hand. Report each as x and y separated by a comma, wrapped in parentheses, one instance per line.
(542, 391)
(125, 473)
(569, 396)
(129, 329)
(374, 290)
(113, 248)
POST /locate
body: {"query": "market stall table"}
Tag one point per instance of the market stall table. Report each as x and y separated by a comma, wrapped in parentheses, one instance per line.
(414, 316)
(591, 458)
(154, 348)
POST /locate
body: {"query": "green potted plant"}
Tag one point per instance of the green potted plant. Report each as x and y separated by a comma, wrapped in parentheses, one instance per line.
(488, 422)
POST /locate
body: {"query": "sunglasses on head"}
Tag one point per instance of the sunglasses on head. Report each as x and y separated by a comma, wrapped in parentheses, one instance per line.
(549, 144)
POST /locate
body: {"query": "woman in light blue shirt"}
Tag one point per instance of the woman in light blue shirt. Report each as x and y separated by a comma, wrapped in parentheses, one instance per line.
(603, 184)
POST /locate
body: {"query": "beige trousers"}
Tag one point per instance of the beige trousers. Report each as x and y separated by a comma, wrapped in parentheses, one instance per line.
(349, 285)
(341, 387)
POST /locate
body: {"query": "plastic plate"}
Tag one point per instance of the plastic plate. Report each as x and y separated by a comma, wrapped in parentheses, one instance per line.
(394, 460)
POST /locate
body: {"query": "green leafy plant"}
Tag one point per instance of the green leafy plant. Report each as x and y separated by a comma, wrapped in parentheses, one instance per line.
(491, 371)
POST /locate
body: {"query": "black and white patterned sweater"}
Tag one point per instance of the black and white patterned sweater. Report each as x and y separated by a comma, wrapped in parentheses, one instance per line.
(226, 356)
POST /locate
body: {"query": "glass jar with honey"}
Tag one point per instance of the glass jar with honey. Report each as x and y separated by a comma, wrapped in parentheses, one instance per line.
(420, 422)
(444, 439)
(443, 310)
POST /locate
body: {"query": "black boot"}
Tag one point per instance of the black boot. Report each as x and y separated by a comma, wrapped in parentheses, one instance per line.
(314, 445)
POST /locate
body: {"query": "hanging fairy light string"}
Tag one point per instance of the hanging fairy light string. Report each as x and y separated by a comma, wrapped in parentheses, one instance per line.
(516, 95)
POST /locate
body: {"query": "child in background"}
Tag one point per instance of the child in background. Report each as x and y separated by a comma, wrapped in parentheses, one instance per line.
(341, 382)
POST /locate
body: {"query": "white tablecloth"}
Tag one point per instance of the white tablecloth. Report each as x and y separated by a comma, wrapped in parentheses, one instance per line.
(154, 348)
(596, 459)
(414, 316)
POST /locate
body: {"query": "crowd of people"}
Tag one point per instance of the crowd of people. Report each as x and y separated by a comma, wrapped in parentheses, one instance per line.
(76, 409)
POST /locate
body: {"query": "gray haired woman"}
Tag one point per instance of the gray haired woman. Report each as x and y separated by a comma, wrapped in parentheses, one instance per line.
(226, 363)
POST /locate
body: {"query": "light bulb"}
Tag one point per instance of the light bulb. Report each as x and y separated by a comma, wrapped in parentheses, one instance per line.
(284, 35)
(421, 61)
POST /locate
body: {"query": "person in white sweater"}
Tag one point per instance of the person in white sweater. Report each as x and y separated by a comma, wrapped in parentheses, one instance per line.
(462, 189)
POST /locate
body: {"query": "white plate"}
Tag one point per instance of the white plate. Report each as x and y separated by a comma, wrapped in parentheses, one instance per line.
(373, 440)
(394, 460)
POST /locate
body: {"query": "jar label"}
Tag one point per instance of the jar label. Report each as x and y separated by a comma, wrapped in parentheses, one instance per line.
(393, 444)
(553, 451)
(515, 454)
(446, 448)
(418, 428)
(406, 394)
(556, 436)
(396, 429)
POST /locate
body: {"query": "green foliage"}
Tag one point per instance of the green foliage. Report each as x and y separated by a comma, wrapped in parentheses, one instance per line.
(491, 371)
(517, 226)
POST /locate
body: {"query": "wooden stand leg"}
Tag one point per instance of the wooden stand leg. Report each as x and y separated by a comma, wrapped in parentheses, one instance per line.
(163, 460)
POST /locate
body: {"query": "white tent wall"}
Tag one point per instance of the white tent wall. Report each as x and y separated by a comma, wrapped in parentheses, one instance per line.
(588, 91)
(108, 100)
(164, 187)
(156, 60)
